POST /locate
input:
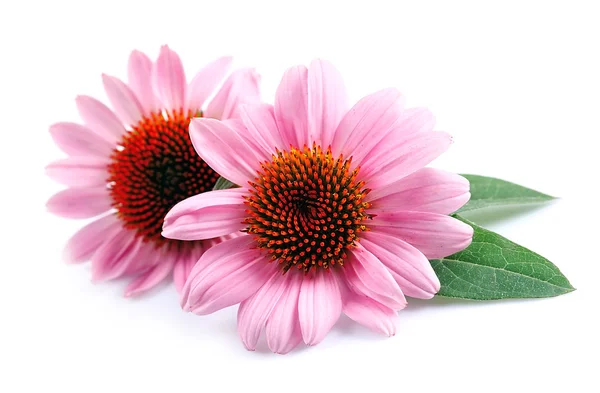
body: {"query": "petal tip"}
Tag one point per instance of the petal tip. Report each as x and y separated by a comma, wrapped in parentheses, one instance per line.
(167, 232)
(136, 52)
(186, 303)
(68, 257)
(129, 293)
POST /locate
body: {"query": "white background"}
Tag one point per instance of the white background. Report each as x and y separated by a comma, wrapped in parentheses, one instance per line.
(517, 84)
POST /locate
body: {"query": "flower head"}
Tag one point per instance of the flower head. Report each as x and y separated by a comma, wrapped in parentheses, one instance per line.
(337, 211)
(134, 162)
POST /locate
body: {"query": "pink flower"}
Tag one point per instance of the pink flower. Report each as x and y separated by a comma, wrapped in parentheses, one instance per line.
(336, 198)
(133, 163)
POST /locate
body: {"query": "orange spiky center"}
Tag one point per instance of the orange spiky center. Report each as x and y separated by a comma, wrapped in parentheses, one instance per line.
(154, 168)
(306, 208)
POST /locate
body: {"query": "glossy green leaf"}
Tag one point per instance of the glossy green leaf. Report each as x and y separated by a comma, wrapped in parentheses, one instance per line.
(224, 184)
(493, 267)
(489, 192)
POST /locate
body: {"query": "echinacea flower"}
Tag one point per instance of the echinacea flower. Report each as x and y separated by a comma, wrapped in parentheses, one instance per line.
(337, 200)
(133, 162)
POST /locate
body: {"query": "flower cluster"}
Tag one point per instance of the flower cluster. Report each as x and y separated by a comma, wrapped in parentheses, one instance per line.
(332, 211)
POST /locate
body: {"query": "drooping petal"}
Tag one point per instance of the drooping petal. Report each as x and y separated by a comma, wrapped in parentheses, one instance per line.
(427, 190)
(231, 286)
(207, 215)
(139, 76)
(183, 266)
(79, 171)
(226, 278)
(409, 267)
(206, 81)
(291, 107)
(224, 150)
(116, 255)
(261, 127)
(77, 140)
(370, 313)
(84, 243)
(235, 244)
(148, 255)
(369, 121)
(327, 101)
(80, 202)
(283, 326)
(151, 277)
(123, 100)
(169, 79)
(319, 306)
(254, 312)
(366, 275)
(99, 118)
(406, 155)
(242, 87)
(435, 235)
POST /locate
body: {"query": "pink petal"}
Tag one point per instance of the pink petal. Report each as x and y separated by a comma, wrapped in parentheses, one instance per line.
(239, 128)
(139, 76)
(427, 190)
(79, 171)
(84, 243)
(99, 118)
(123, 100)
(327, 101)
(435, 235)
(79, 202)
(77, 140)
(207, 215)
(403, 157)
(225, 151)
(319, 306)
(184, 265)
(408, 121)
(147, 256)
(260, 141)
(409, 267)
(206, 81)
(169, 79)
(283, 326)
(261, 127)
(366, 275)
(116, 255)
(229, 273)
(239, 243)
(370, 313)
(151, 277)
(415, 120)
(368, 122)
(291, 107)
(254, 312)
(242, 87)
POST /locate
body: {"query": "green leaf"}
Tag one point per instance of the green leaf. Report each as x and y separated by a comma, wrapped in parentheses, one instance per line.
(493, 267)
(489, 192)
(224, 184)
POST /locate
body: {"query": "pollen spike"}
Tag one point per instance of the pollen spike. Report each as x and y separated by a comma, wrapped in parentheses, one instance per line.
(307, 191)
(154, 168)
